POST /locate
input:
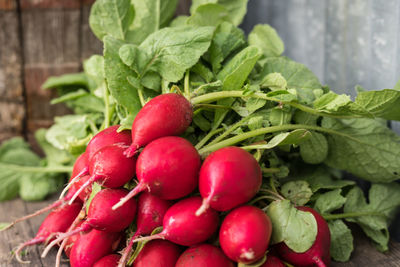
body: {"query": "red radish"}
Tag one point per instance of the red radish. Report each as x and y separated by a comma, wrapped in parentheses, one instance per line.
(107, 137)
(273, 261)
(245, 233)
(70, 241)
(204, 255)
(158, 253)
(318, 254)
(110, 168)
(59, 220)
(181, 226)
(102, 217)
(151, 211)
(228, 178)
(108, 261)
(164, 115)
(93, 246)
(75, 187)
(168, 168)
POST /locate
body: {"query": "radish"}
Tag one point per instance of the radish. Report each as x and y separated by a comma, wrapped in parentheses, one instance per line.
(70, 241)
(108, 261)
(168, 168)
(181, 226)
(245, 233)
(93, 246)
(273, 261)
(102, 217)
(204, 255)
(158, 253)
(59, 220)
(75, 187)
(164, 115)
(151, 211)
(110, 168)
(107, 137)
(318, 254)
(228, 178)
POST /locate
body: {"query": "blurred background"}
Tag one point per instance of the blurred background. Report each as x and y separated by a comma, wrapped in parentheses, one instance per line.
(343, 42)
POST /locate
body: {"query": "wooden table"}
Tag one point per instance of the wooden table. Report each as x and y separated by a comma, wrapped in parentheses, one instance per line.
(364, 254)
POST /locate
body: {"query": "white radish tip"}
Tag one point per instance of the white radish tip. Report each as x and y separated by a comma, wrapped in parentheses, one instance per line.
(248, 255)
(121, 202)
(204, 206)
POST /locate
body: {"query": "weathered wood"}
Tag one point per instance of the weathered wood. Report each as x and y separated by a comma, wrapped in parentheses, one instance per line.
(51, 47)
(12, 110)
(89, 43)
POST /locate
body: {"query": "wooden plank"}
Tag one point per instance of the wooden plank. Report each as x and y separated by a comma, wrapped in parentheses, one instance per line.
(89, 43)
(11, 117)
(51, 47)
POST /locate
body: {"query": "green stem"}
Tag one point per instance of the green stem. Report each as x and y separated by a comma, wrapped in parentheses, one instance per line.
(186, 85)
(201, 143)
(211, 97)
(238, 138)
(275, 194)
(229, 130)
(141, 97)
(272, 183)
(19, 168)
(211, 106)
(261, 198)
(107, 108)
(351, 215)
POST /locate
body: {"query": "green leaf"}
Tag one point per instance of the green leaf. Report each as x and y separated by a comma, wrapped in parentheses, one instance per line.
(116, 73)
(397, 86)
(341, 241)
(4, 225)
(383, 104)
(274, 81)
(171, 51)
(227, 38)
(236, 8)
(365, 147)
(95, 189)
(94, 69)
(69, 96)
(298, 229)
(280, 116)
(54, 155)
(111, 17)
(179, 21)
(320, 178)
(315, 149)
(68, 131)
(289, 138)
(384, 199)
(297, 76)
(71, 79)
(329, 201)
(236, 71)
(208, 15)
(267, 39)
(298, 192)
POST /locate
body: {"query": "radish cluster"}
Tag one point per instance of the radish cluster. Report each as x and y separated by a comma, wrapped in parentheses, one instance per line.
(168, 170)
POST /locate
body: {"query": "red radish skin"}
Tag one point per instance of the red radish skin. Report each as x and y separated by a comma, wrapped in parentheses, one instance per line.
(168, 168)
(245, 233)
(164, 115)
(75, 187)
(181, 226)
(204, 255)
(228, 178)
(71, 240)
(108, 261)
(151, 211)
(93, 246)
(158, 253)
(102, 217)
(318, 254)
(107, 137)
(59, 220)
(273, 261)
(110, 168)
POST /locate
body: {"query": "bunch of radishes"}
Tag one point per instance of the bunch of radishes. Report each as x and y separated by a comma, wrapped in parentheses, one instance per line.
(168, 169)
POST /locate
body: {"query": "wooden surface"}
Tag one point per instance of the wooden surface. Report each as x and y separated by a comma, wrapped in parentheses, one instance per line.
(364, 254)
